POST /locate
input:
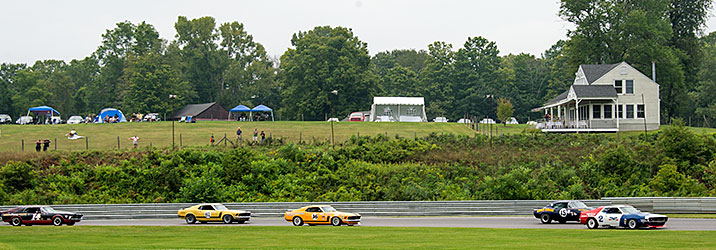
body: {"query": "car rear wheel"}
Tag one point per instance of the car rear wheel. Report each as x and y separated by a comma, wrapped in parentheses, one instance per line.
(190, 219)
(297, 221)
(16, 221)
(57, 221)
(592, 223)
(632, 224)
(335, 221)
(545, 218)
(227, 219)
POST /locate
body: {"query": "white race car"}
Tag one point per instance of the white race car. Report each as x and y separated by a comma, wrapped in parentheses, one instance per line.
(621, 216)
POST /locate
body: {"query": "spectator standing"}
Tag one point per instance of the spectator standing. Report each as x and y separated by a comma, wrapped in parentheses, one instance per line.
(135, 140)
(238, 134)
(46, 144)
(256, 135)
(263, 136)
(38, 145)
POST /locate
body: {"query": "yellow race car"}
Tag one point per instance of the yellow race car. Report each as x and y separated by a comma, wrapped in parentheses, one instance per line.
(213, 212)
(321, 215)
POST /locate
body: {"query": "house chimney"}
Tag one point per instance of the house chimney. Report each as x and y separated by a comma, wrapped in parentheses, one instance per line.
(653, 71)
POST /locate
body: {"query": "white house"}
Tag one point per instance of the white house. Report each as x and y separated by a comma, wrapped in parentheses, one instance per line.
(604, 98)
(402, 109)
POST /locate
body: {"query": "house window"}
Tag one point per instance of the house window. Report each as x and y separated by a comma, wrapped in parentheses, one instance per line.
(608, 111)
(630, 86)
(596, 111)
(618, 86)
(630, 111)
(620, 111)
(640, 111)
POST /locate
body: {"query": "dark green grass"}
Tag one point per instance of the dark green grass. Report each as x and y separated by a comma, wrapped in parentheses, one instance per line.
(326, 237)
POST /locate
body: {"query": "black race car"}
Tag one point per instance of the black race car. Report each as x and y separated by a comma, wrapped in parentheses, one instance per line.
(35, 215)
(561, 211)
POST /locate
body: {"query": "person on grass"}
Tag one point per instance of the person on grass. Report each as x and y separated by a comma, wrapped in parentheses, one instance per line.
(135, 140)
(256, 135)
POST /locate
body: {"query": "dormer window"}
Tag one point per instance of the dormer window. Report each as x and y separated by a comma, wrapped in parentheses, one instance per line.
(623, 70)
(618, 86)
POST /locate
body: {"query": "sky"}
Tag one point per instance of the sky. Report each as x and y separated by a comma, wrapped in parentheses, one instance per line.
(37, 30)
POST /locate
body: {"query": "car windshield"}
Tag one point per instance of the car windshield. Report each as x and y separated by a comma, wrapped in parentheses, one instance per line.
(577, 204)
(328, 209)
(48, 209)
(630, 210)
(220, 207)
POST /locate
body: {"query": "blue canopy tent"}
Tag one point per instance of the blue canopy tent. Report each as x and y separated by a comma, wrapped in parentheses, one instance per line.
(240, 108)
(109, 112)
(262, 108)
(43, 110)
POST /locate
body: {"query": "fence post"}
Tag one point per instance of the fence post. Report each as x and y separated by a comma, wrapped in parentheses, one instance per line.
(359, 135)
(300, 135)
(181, 144)
(150, 145)
(118, 143)
(55, 144)
(86, 143)
(225, 139)
(23, 145)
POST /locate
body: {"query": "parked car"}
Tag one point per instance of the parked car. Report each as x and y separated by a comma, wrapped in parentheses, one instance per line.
(487, 121)
(356, 117)
(321, 215)
(213, 213)
(55, 120)
(464, 121)
(512, 121)
(333, 119)
(561, 211)
(34, 215)
(75, 119)
(151, 117)
(24, 120)
(5, 119)
(621, 216)
(440, 119)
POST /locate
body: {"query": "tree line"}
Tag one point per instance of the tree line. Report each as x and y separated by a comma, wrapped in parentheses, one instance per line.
(135, 70)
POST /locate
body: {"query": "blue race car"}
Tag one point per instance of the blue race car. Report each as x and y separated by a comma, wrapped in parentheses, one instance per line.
(561, 211)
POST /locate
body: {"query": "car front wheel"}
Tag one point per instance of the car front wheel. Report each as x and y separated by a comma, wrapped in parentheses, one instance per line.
(190, 219)
(545, 218)
(57, 221)
(336, 221)
(632, 224)
(592, 223)
(227, 219)
(297, 221)
(16, 221)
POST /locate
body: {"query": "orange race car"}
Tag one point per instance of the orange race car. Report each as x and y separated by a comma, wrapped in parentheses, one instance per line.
(321, 215)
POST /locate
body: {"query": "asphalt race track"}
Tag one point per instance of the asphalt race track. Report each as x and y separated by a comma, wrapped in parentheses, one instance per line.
(483, 222)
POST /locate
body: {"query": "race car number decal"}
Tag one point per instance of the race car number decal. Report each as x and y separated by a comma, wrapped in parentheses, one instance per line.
(207, 214)
(36, 216)
(563, 212)
(601, 218)
(314, 216)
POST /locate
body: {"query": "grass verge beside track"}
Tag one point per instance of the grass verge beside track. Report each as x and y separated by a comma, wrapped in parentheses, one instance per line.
(323, 237)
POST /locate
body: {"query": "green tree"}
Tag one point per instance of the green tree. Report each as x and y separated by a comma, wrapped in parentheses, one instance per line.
(149, 82)
(8, 86)
(504, 110)
(322, 60)
(202, 63)
(476, 75)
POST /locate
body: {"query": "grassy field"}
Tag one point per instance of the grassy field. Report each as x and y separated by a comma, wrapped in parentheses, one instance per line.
(95, 237)
(159, 134)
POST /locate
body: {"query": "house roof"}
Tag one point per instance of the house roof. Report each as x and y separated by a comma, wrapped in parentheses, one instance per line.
(193, 109)
(594, 71)
(399, 100)
(558, 98)
(592, 91)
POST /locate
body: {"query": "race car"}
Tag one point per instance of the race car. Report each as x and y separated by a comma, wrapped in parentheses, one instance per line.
(321, 215)
(37, 215)
(561, 211)
(621, 216)
(204, 213)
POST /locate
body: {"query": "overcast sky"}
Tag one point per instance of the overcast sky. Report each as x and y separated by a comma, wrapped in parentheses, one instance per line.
(35, 30)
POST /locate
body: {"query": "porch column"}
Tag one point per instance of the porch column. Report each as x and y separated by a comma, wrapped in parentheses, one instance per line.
(576, 110)
(559, 111)
(551, 114)
(616, 112)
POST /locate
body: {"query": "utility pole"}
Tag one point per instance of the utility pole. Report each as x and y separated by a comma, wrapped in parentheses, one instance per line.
(333, 139)
(172, 97)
